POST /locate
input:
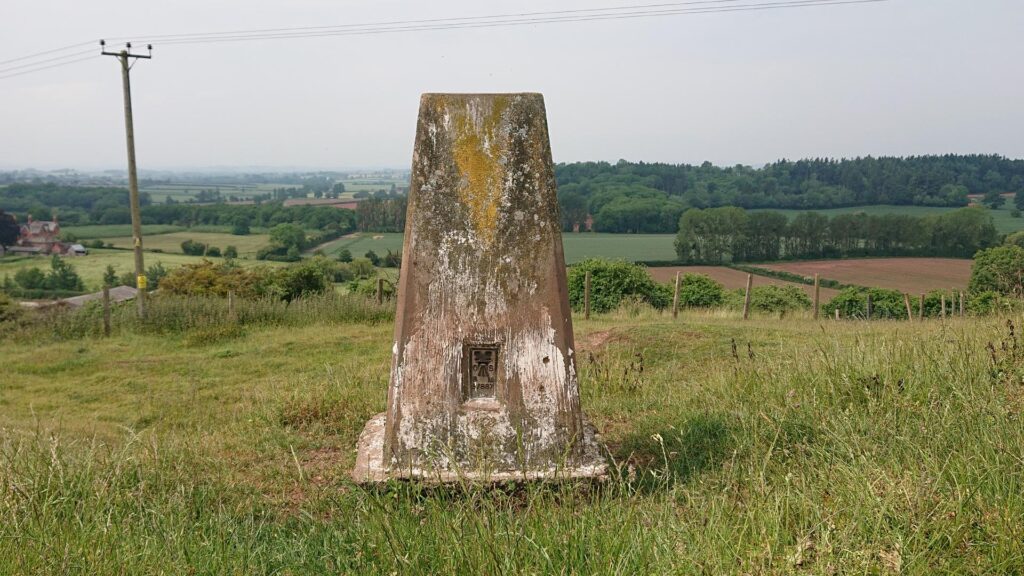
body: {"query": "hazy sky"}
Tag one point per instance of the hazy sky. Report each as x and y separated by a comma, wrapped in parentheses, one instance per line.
(893, 78)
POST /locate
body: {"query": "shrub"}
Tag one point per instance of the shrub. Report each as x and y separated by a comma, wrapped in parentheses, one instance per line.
(852, 303)
(392, 259)
(207, 278)
(231, 252)
(373, 258)
(193, 248)
(611, 281)
(1000, 270)
(345, 255)
(362, 268)
(778, 299)
(213, 252)
(700, 291)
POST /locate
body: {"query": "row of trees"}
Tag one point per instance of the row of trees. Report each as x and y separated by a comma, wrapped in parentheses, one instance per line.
(635, 197)
(728, 234)
(381, 215)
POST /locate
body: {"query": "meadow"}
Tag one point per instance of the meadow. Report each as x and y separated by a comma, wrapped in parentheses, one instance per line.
(762, 447)
(92, 266)
(170, 242)
(1004, 221)
(577, 247)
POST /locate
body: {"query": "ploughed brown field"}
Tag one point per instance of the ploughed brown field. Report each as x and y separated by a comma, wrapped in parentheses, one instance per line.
(913, 275)
(732, 279)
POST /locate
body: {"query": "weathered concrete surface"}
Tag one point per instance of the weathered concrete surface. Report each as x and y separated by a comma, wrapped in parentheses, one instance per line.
(483, 378)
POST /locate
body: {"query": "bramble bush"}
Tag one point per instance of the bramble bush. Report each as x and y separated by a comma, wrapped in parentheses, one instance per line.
(613, 280)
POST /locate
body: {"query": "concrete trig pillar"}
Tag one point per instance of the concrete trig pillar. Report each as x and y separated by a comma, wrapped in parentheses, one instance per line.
(483, 379)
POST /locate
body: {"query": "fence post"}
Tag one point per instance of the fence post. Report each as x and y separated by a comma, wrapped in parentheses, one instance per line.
(920, 309)
(837, 313)
(675, 298)
(817, 295)
(586, 296)
(942, 306)
(106, 310)
(870, 306)
(910, 313)
(961, 303)
(380, 290)
(746, 297)
(231, 305)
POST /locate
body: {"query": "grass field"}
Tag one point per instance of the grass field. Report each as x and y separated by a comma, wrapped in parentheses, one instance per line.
(912, 275)
(247, 245)
(831, 448)
(577, 246)
(91, 267)
(733, 279)
(1005, 223)
(104, 231)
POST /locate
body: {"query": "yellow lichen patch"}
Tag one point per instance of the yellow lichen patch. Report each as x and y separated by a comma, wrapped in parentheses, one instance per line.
(478, 149)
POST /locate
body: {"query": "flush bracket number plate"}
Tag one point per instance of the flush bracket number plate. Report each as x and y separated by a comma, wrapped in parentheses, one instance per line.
(480, 375)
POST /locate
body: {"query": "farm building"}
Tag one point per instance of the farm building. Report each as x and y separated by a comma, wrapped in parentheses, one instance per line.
(43, 237)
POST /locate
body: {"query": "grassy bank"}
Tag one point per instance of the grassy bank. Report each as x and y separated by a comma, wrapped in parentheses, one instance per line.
(765, 447)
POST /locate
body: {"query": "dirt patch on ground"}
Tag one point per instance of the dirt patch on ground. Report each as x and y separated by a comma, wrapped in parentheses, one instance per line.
(594, 341)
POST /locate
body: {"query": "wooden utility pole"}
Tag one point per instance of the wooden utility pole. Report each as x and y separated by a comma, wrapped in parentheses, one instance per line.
(746, 297)
(817, 295)
(133, 178)
(586, 296)
(675, 298)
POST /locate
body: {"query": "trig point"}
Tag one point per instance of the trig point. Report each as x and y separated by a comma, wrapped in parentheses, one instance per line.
(483, 375)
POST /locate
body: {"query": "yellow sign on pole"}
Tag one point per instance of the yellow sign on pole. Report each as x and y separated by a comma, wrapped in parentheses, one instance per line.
(140, 281)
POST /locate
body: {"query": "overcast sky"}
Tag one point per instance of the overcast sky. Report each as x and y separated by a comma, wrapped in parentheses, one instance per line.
(899, 77)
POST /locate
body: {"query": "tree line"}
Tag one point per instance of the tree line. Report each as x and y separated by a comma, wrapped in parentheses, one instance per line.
(730, 234)
(643, 197)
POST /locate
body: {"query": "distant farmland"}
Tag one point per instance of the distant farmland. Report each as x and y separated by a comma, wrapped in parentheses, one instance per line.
(733, 279)
(913, 275)
(630, 247)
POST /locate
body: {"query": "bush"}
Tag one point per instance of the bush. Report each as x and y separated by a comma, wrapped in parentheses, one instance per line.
(193, 248)
(345, 255)
(369, 288)
(700, 291)
(213, 252)
(852, 303)
(362, 268)
(613, 280)
(778, 299)
(373, 258)
(231, 252)
(1000, 270)
(392, 259)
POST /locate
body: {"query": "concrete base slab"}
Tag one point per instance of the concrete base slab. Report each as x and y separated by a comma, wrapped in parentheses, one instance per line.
(370, 468)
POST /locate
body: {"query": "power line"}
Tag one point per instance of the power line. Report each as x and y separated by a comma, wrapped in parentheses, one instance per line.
(45, 52)
(433, 20)
(48, 67)
(690, 7)
(373, 29)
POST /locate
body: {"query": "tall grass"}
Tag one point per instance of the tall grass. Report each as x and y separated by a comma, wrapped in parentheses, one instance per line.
(169, 314)
(760, 447)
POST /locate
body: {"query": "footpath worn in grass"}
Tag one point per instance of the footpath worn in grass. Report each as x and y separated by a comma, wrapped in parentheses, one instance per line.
(766, 447)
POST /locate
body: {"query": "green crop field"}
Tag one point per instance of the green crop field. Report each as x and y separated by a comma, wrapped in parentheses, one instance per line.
(820, 448)
(1005, 223)
(247, 245)
(631, 247)
(104, 231)
(92, 266)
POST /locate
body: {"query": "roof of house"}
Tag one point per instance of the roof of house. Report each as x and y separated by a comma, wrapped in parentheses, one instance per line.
(117, 294)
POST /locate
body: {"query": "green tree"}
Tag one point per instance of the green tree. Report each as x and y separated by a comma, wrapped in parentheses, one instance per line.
(345, 255)
(109, 276)
(62, 276)
(231, 252)
(288, 235)
(373, 257)
(999, 270)
(9, 230)
(993, 199)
